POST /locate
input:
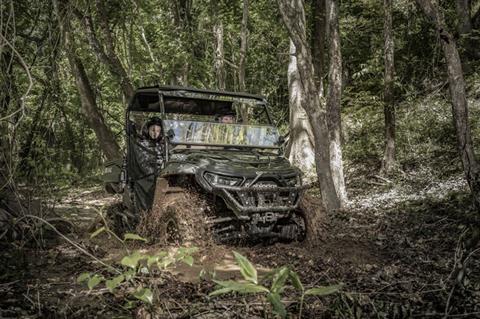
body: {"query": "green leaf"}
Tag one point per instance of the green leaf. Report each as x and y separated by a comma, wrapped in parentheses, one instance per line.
(246, 268)
(278, 283)
(114, 283)
(323, 291)
(240, 287)
(145, 295)
(132, 260)
(94, 281)
(129, 274)
(97, 232)
(83, 277)
(130, 236)
(296, 281)
(277, 305)
(220, 291)
(188, 260)
(165, 262)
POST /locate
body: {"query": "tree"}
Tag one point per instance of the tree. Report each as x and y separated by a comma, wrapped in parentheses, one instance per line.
(219, 62)
(389, 101)
(300, 149)
(458, 97)
(94, 118)
(243, 56)
(464, 24)
(318, 41)
(106, 53)
(334, 96)
(293, 15)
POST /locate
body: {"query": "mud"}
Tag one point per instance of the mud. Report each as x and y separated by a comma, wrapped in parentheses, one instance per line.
(395, 263)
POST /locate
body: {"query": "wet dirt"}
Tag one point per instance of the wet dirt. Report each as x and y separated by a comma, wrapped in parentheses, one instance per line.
(394, 263)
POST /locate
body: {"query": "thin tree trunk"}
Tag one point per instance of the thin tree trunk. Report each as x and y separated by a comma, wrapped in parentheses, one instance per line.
(464, 24)
(243, 57)
(219, 62)
(293, 14)
(107, 54)
(94, 118)
(458, 97)
(334, 101)
(300, 149)
(318, 42)
(389, 102)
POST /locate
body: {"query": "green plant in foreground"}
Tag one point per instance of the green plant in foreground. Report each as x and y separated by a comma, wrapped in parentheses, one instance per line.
(273, 294)
(136, 267)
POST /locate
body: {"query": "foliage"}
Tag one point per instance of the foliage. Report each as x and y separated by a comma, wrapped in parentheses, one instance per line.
(137, 270)
(279, 278)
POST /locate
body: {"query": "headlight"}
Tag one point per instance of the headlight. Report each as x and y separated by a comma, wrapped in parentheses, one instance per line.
(215, 179)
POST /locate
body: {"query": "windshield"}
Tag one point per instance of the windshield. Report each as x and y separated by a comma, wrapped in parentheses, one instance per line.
(220, 134)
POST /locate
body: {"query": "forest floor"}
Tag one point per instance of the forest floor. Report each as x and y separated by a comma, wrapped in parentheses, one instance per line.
(397, 250)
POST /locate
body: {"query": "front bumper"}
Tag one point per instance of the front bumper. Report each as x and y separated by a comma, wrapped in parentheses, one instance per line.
(260, 198)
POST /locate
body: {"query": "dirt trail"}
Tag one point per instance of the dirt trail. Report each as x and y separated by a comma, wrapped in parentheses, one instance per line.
(397, 261)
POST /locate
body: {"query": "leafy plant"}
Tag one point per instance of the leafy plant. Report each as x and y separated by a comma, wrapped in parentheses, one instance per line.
(135, 267)
(280, 277)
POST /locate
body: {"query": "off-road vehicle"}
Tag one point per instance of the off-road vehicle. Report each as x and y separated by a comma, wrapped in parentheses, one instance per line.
(238, 169)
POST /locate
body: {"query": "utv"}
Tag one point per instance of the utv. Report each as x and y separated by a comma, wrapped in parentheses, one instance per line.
(251, 189)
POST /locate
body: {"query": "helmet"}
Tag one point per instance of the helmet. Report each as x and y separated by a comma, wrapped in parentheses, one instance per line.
(152, 129)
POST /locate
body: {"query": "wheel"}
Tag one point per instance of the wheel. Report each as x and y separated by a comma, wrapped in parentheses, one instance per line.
(179, 218)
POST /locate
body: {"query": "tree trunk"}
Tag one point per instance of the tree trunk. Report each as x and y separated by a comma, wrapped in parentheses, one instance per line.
(95, 121)
(219, 62)
(300, 149)
(334, 101)
(9, 202)
(458, 97)
(293, 15)
(464, 23)
(107, 54)
(243, 57)
(389, 102)
(318, 42)
(94, 118)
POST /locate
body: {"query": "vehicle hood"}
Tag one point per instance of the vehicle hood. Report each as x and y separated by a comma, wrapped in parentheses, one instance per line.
(237, 163)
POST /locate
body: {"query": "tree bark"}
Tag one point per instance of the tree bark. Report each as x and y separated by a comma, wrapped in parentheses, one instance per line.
(458, 97)
(300, 149)
(107, 54)
(464, 23)
(219, 62)
(318, 42)
(293, 15)
(94, 118)
(243, 48)
(243, 57)
(389, 102)
(334, 97)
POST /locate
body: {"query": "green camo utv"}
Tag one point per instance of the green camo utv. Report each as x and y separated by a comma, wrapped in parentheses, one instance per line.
(218, 146)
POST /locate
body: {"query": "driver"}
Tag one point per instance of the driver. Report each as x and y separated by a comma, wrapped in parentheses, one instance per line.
(228, 118)
(152, 139)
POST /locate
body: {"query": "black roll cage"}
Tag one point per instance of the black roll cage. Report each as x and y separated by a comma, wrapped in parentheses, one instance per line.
(201, 94)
